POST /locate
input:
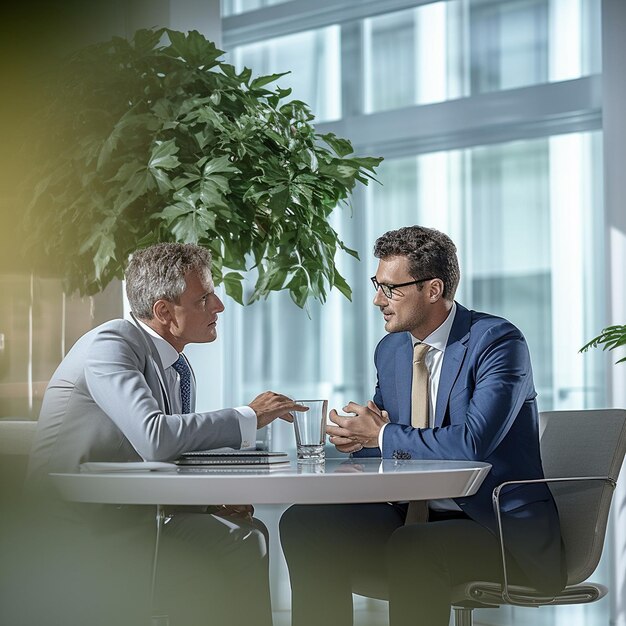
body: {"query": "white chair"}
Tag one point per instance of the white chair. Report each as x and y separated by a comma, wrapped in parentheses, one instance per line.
(582, 453)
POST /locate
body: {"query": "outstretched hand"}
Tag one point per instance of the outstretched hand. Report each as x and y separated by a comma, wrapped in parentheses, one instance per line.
(269, 405)
(358, 431)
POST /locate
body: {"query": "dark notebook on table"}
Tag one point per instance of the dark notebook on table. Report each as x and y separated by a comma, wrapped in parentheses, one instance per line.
(235, 458)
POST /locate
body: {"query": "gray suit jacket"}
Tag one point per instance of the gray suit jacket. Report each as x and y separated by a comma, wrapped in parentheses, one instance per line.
(107, 402)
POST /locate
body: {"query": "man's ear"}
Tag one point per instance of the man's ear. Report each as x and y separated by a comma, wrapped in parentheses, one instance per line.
(161, 312)
(436, 290)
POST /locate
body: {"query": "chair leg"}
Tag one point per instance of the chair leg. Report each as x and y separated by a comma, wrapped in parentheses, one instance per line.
(463, 616)
(160, 518)
(157, 620)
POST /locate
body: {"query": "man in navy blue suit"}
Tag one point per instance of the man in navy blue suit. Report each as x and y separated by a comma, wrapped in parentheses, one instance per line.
(472, 399)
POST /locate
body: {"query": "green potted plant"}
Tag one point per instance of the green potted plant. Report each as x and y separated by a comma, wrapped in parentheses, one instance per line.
(145, 141)
(610, 338)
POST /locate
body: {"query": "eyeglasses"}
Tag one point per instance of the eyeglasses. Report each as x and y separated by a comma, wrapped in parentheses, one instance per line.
(388, 289)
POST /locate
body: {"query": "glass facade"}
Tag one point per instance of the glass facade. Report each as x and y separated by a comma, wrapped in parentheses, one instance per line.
(312, 60)
(235, 7)
(526, 213)
(459, 48)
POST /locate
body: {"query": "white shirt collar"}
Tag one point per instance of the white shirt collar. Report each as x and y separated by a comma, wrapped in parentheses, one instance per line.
(166, 350)
(439, 337)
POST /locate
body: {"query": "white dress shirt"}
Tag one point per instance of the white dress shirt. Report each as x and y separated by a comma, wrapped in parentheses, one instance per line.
(169, 356)
(437, 340)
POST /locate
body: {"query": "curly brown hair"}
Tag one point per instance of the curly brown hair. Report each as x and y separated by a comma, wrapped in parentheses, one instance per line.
(429, 252)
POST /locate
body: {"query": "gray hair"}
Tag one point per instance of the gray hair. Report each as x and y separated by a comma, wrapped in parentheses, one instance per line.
(431, 254)
(158, 273)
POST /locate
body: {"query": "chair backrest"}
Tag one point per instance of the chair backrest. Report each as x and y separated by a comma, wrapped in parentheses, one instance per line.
(583, 443)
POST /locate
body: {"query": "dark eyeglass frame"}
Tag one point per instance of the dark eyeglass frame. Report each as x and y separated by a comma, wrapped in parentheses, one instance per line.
(387, 289)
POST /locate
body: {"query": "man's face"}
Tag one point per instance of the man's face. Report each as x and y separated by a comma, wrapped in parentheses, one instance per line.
(409, 308)
(194, 316)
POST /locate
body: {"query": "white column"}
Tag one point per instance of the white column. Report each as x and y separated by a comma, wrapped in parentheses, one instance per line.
(567, 202)
(565, 58)
(431, 53)
(614, 125)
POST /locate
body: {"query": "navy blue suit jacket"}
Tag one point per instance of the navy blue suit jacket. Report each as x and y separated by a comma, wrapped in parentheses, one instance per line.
(485, 411)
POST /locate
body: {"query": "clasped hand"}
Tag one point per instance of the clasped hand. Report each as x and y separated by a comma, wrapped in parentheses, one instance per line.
(358, 431)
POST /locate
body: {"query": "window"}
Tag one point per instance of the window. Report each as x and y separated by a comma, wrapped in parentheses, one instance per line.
(486, 115)
(234, 7)
(311, 57)
(446, 50)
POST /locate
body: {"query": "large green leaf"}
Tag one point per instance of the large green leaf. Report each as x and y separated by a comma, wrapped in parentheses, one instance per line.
(610, 338)
(193, 226)
(341, 146)
(104, 254)
(219, 165)
(261, 81)
(164, 155)
(233, 286)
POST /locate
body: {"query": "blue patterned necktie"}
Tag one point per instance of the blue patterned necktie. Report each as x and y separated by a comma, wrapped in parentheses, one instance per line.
(184, 373)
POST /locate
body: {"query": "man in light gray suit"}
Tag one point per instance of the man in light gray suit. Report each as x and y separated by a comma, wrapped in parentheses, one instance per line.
(125, 392)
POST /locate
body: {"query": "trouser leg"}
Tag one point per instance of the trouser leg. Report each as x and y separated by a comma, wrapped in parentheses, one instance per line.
(329, 549)
(425, 561)
(215, 571)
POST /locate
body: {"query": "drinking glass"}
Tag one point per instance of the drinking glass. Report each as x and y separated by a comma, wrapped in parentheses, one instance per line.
(310, 429)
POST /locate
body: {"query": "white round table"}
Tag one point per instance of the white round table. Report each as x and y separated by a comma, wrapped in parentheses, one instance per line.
(336, 481)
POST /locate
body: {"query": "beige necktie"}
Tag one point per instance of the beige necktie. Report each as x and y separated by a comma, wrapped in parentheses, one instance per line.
(420, 409)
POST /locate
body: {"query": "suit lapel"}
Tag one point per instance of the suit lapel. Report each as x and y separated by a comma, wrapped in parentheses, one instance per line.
(404, 376)
(157, 365)
(452, 360)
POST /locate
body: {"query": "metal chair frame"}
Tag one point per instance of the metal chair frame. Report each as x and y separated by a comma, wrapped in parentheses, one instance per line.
(535, 599)
(482, 594)
(492, 595)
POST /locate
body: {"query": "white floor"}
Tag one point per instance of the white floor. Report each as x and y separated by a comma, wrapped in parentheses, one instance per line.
(367, 613)
(374, 613)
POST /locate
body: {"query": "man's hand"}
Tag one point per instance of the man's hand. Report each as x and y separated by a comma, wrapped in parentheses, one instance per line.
(353, 433)
(269, 405)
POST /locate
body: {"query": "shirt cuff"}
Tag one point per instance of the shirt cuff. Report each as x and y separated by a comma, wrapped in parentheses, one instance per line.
(247, 426)
(380, 438)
